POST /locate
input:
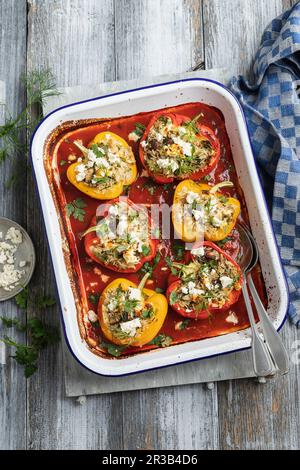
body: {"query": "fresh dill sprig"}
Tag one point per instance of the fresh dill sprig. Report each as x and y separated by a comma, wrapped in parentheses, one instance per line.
(16, 131)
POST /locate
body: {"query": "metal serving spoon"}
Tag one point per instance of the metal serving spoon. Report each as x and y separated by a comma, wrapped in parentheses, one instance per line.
(272, 338)
(262, 361)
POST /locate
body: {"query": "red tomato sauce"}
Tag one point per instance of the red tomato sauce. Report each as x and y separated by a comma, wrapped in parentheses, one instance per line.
(92, 278)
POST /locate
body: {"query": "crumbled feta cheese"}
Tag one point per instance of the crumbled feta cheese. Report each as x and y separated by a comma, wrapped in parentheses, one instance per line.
(14, 235)
(101, 163)
(159, 137)
(163, 162)
(92, 316)
(133, 136)
(216, 222)
(10, 276)
(197, 214)
(182, 130)
(22, 264)
(167, 163)
(144, 143)
(1, 234)
(113, 158)
(122, 227)
(225, 281)
(113, 210)
(134, 293)
(80, 172)
(198, 251)
(232, 318)
(191, 197)
(112, 305)
(186, 146)
(130, 327)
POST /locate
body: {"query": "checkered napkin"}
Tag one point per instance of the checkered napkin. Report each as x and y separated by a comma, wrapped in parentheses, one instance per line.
(272, 108)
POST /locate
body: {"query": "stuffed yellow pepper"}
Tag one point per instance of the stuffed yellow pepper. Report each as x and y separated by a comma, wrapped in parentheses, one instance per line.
(130, 315)
(106, 166)
(200, 209)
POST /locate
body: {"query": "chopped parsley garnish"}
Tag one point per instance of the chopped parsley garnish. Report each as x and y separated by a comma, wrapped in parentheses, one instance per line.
(63, 162)
(139, 129)
(145, 250)
(76, 209)
(94, 298)
(184, 324)
(113, 349)
(159, 290)
(162, 340)
(149, 267)
(173, 297)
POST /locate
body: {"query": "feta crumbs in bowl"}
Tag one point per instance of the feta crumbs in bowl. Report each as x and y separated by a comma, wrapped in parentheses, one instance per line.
(17, 258)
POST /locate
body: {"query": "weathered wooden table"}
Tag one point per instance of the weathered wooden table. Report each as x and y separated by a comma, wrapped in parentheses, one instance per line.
(91, 41)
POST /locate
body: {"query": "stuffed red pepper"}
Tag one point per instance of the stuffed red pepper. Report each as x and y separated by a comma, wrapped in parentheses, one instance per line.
(175, 147)
(209, 282)
(122, 239)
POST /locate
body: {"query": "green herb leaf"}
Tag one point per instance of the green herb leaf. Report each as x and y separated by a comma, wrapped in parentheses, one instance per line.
(113, 349)
(45, 301)
(139, 129)
(76, 209)
(42, 335)
(173, 297)
(22, 298)
(13, 322)
(145, 250)
(162, 340)
(94, 298)
(178, 250)
(63, 162)
(184, 324)
(159, 290)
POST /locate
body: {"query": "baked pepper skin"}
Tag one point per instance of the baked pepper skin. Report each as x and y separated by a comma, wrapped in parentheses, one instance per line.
(233, 296)
(188, 234)
(107, 193)
(205, 132)
(154, 324)
(91, 239)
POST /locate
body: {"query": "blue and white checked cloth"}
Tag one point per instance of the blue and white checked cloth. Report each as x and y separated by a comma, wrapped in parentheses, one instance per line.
(272, 108)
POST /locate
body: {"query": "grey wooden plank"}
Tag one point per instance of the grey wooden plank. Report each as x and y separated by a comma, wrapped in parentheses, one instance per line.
(12, 64)
(233, 29)
(250, 416)
(174, 418)
(253, 416)
(76, 40)
(155, 38)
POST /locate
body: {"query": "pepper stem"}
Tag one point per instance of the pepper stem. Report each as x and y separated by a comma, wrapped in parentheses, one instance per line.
(89, 230)
(143, 282)
(223, 184)
(81, 147)
(196, 118)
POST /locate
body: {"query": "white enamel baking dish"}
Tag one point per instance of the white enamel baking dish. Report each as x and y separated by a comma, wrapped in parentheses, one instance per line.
(147, 99)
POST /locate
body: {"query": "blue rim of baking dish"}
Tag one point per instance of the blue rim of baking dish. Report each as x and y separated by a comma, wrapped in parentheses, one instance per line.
(264, 202)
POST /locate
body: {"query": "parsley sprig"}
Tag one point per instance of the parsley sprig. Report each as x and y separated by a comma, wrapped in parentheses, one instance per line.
(41, 336)
(76, 209)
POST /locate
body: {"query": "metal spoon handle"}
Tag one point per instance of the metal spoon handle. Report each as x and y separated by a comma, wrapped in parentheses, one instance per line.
(262, 361)
(272, 338)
